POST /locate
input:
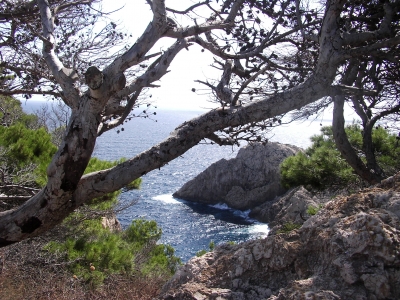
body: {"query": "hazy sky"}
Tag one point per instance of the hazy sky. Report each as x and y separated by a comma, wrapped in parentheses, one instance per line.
(175, 91)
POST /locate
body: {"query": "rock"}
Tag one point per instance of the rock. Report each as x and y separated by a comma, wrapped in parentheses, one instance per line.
(244, 182)
(112, 223)
(349, 250)
(289, 208)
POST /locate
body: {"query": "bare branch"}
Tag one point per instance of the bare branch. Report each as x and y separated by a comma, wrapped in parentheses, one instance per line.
(190, 8)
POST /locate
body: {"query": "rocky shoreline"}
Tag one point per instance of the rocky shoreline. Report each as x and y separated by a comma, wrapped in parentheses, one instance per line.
(251, 181)
(349, 250)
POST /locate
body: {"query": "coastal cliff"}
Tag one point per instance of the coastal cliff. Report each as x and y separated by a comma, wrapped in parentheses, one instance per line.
(244, 182)
(349, 250)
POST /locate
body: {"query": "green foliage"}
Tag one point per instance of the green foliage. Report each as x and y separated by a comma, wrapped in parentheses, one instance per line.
(134, 185)
(322, 164)
(161, 261)
(95, 252)
(142, 232)
(211, 247)
(288, 227)
(201, 252)
(12, 113)
(25, 146)
(387, 149)
(313, 210)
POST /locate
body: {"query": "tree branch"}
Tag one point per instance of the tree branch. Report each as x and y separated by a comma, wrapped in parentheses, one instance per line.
(65, 77)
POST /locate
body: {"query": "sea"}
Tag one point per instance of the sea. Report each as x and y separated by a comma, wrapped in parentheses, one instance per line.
(187, 226)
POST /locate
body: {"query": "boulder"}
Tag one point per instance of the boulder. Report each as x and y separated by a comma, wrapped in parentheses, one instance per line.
(112, 223)
(289, 208)
(244, 182)
(349, 250)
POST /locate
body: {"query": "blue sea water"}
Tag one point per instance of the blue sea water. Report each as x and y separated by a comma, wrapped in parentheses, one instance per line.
(188, 227)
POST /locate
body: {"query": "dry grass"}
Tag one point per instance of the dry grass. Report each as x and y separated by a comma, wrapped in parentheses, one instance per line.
(43, 284)
(27, 272)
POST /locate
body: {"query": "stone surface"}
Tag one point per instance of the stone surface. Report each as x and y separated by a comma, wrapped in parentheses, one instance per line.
(288, 208)
(349, 250)
(112, 223)
(244, 182)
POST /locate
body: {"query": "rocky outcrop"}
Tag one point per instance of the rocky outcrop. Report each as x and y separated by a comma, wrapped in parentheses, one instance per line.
(112, 223)
(289, 208)
(349, 250)
(244, 182)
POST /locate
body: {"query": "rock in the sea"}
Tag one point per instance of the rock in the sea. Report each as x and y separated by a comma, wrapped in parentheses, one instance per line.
(244, 182)
(349, 250)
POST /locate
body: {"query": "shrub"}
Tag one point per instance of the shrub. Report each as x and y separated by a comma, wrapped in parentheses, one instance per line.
(26, 146)
(95, 252)
(201, 252)
(313, 210)
(12, 113)
(134, 184)
(211, 247)
(288, 227)
(322, 165)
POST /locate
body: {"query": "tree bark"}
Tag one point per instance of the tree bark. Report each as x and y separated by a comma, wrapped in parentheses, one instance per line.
(344, 146)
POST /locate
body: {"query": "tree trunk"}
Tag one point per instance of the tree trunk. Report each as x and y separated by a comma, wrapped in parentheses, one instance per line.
(369, 151)
(344, 146)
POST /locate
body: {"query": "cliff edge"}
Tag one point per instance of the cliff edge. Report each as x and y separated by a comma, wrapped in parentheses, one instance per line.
(349, 250)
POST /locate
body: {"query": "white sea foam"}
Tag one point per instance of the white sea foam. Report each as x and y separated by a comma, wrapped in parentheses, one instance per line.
(221, 206)
(166, 198)
(259, 228)
(243, 214)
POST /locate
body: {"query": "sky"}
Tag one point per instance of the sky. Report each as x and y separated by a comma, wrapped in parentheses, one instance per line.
(176, 86)
(175, 92)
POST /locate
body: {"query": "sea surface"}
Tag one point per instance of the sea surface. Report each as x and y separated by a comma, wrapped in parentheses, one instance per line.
(188, 227)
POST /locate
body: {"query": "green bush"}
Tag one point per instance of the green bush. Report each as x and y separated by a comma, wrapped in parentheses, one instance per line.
(92, 252)
(288, 227)
(322, 165)
(313, 210)
(26, 146)
(211, 247)
(201, 252)
(12, 113)
(134, 185)
(142, 232)
(95, 252)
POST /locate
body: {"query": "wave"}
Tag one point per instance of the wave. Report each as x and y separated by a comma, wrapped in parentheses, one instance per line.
(221, 206)
(244, 214)
(166, 198)
(259, 228)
